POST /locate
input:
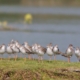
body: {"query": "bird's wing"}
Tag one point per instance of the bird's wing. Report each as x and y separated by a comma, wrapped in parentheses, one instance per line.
(44, 49)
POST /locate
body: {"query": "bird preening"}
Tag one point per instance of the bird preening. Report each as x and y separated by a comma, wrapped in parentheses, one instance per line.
(14, 47)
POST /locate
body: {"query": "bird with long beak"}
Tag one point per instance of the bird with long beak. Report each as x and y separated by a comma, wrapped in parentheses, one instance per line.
(77, 53)
(69, 52)
(50, 51)
(56, 51)
(2, 50)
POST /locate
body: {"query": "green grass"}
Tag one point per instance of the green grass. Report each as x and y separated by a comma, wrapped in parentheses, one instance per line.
(34, 70)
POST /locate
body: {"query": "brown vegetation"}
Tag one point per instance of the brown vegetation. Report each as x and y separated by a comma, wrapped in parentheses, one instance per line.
(39, 74)
(33, 70)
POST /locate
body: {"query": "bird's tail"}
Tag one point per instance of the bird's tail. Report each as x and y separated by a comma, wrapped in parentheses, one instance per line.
(63, 54)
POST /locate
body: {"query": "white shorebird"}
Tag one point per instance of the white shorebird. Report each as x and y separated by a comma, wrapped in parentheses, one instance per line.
(50, 51)
(29, 49)
(34, 49)
(9, 50)
(77, 53)
(56, 51)
(23, 50)
(15, 50)
(34, 46)
(41, 51)
(69, 52)
(2, 50)
(18, 45)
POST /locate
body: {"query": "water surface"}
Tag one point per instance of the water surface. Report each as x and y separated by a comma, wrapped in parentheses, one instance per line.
(43, 31)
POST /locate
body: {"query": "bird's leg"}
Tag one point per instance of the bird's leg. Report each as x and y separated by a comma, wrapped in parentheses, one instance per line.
(25, 57)
(20, 55)
(38, 58)
(1, 56)
(50, 58)
(54, 57)
(9, 57)
(15, 57)
(33, 56)
(41, 59)
(68, 59)
(29, 56)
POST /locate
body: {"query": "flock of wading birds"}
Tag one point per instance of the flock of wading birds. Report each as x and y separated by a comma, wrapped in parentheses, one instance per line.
(15, 47)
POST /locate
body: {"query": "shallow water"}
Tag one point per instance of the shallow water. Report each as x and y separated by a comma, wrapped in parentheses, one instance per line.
(61, 32)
